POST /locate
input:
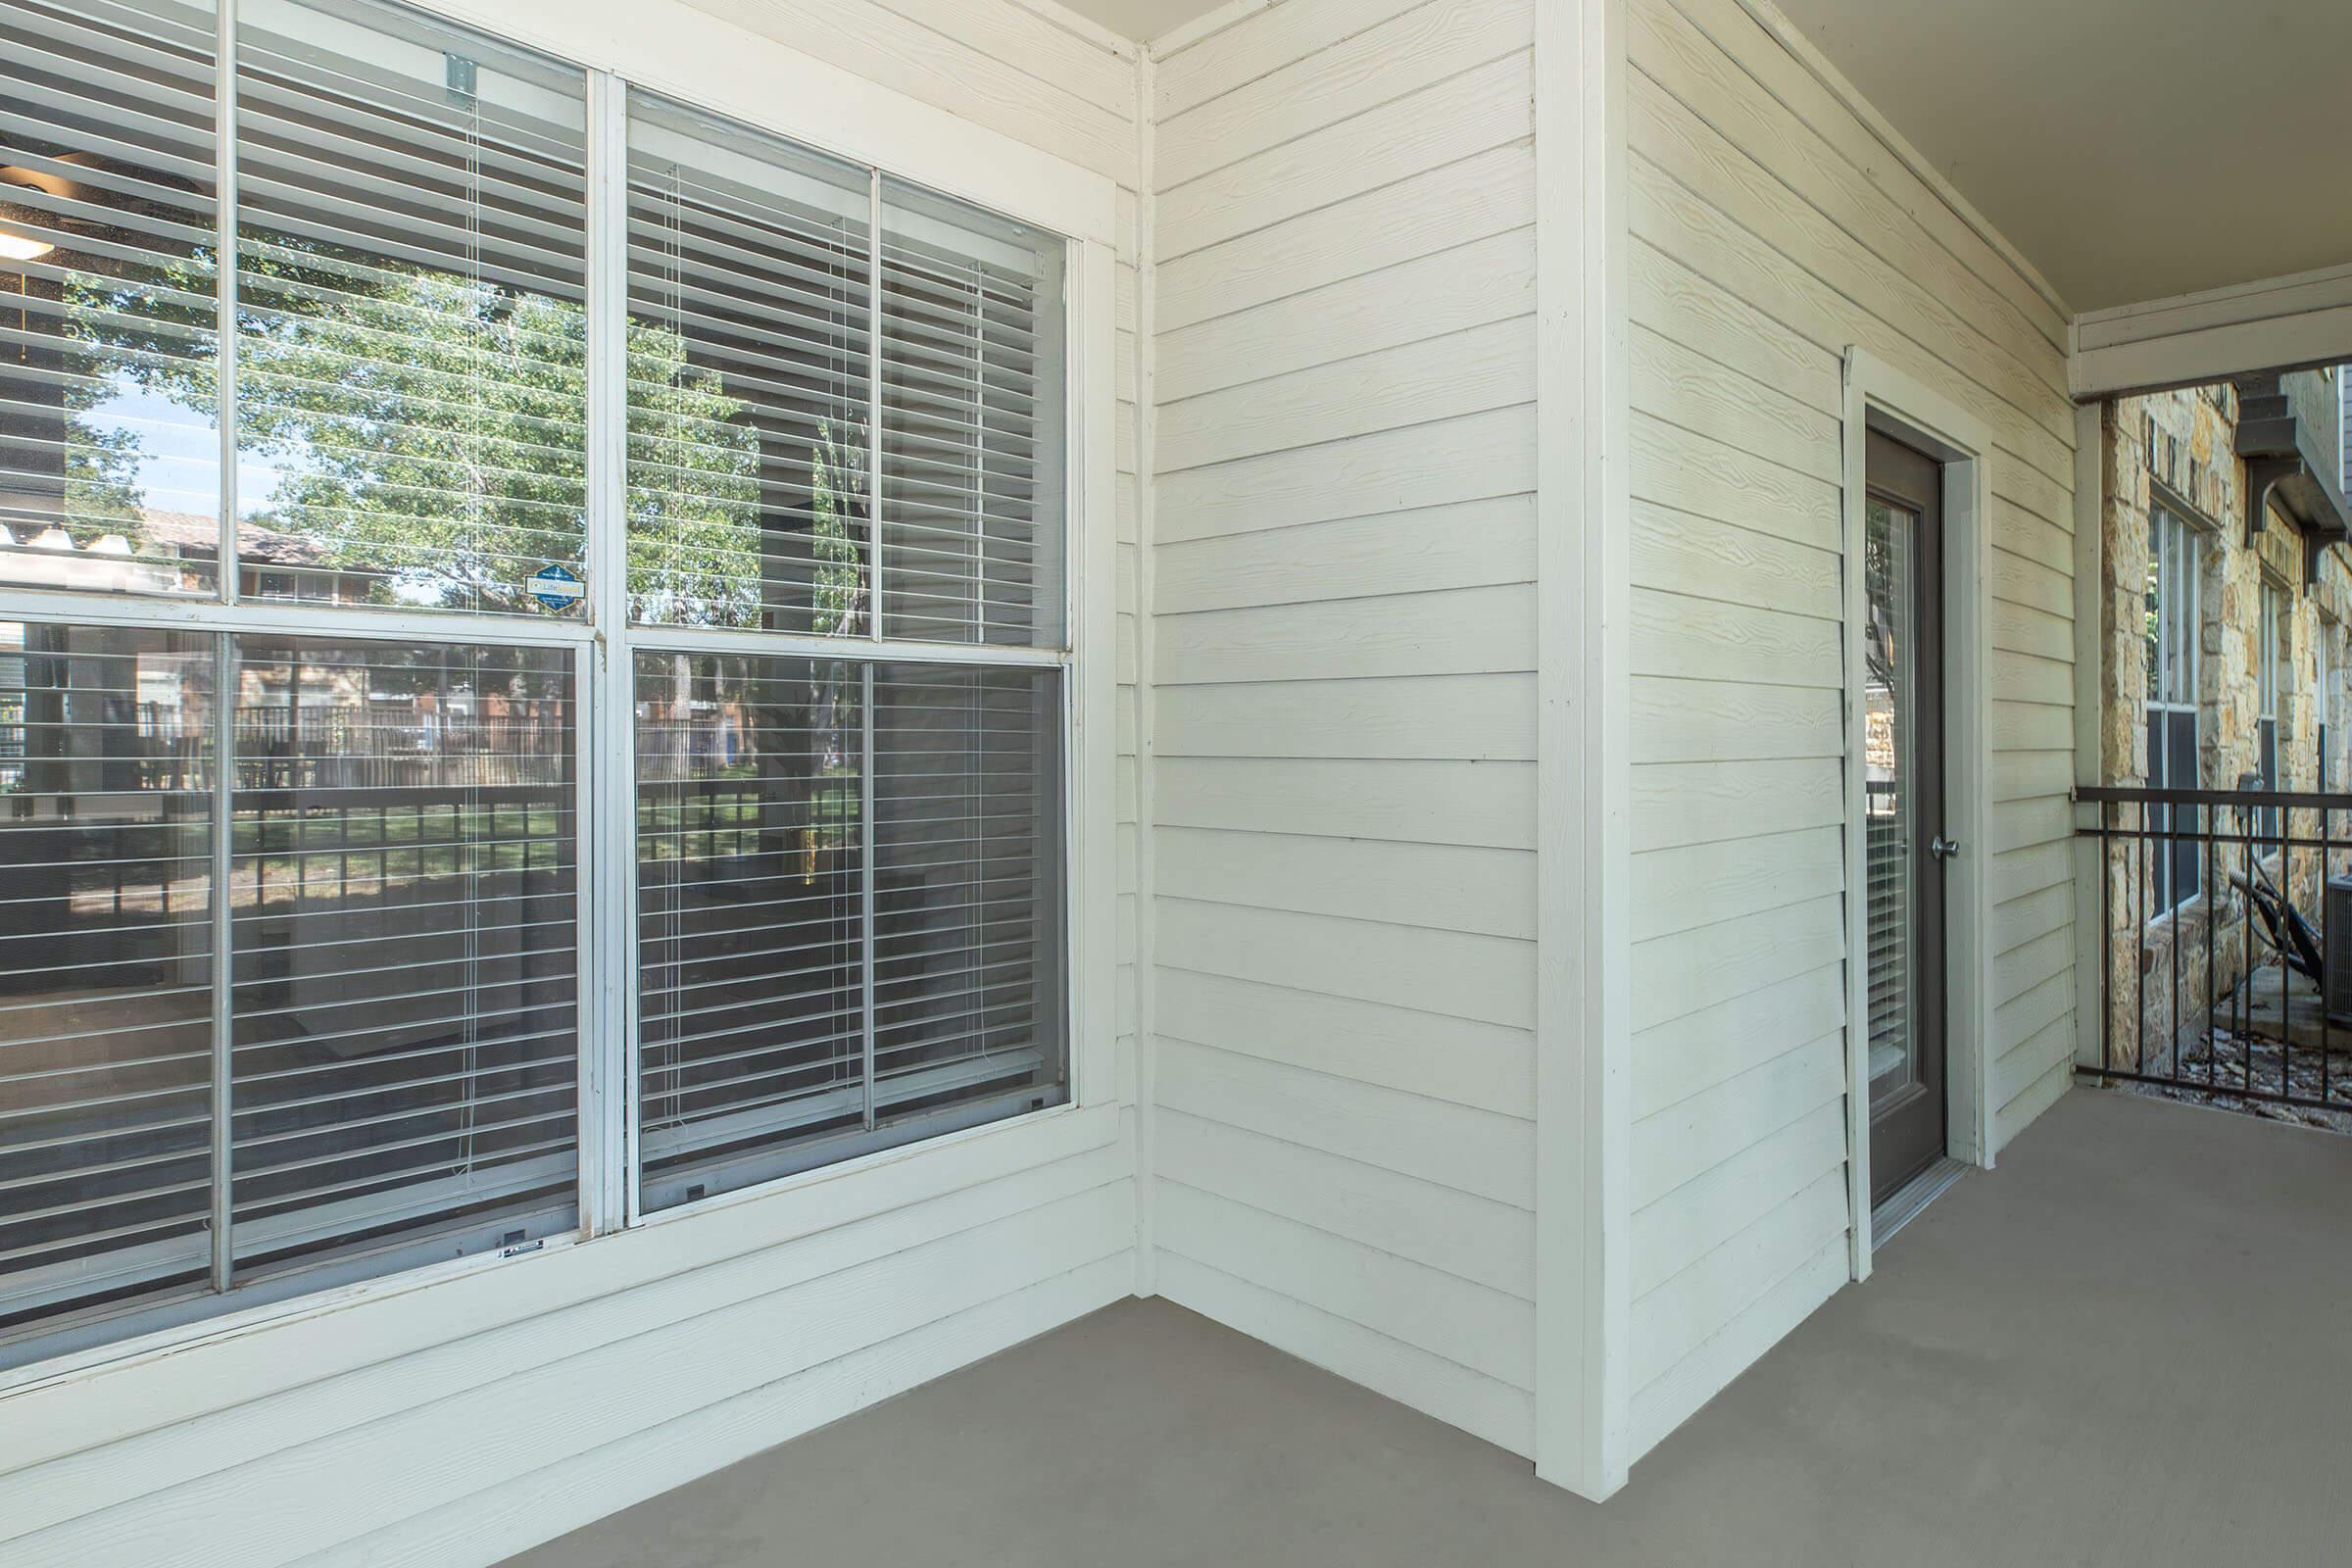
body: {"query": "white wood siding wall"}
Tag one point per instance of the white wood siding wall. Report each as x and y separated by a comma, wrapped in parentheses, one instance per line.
(1770, 230)
(1343, 645)
(459, 1421)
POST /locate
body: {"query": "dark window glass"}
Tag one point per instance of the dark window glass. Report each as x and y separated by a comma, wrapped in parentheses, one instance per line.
(106, 965)
(404, 970)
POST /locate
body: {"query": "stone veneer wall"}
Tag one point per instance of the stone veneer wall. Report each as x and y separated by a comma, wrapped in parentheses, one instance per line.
(2184, 438)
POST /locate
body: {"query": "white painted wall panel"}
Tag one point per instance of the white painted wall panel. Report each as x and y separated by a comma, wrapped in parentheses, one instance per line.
(1770, 232)
(1344, 648)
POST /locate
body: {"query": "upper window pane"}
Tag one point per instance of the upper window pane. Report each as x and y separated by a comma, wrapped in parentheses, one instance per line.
(749, 393)
(973, 416)
(109, 442)
(410, 331)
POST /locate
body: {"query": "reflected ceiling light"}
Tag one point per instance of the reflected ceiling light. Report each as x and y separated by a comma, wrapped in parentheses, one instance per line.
(15, 247)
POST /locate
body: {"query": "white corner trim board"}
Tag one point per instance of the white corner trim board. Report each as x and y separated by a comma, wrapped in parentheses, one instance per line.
(1584, 1105)
(1880, 397)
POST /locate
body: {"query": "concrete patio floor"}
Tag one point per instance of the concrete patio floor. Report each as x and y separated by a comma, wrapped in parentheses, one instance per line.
(2131, 1344)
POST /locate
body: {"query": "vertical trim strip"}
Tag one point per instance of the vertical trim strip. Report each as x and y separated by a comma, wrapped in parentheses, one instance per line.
(873, 411)
(225, 283)
(225, 716)
(224, 708)
(605, 673)
(1584, 1111)
(1146, 1087)
(865, 879)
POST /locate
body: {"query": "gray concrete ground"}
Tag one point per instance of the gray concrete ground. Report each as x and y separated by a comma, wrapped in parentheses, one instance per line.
(2131, 1344)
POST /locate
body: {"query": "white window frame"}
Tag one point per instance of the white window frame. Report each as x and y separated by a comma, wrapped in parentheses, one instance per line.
(666, 47)
(2323, 700)
(2177, 619)
(2271, 621)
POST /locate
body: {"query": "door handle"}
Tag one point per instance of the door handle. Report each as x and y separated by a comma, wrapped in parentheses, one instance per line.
(1942, 848)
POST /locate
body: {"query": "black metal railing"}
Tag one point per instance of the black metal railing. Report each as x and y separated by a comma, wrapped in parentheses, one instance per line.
(2217, 959)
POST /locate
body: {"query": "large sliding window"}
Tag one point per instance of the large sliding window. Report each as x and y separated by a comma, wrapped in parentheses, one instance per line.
(459, 657)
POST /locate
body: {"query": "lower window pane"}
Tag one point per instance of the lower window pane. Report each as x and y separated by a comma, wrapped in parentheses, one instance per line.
(967, 902)
(750, 914)
(405, 978)
(106, 966)
(775, 831)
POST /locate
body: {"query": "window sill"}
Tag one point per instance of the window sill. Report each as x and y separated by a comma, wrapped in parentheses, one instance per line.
(185, 1371)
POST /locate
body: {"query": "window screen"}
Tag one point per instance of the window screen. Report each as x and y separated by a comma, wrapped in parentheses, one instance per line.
(106, 965)
(967, 913)
(109, 436)
(750, 857)
(849, 907)
(403, 955)
(411, 335)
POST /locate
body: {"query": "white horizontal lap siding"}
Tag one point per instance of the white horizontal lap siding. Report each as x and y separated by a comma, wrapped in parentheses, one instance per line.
(468, 1419)
(1770, 230)
(1343, 656)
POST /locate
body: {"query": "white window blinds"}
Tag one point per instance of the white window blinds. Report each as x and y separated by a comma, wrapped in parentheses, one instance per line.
(109, 443)
(972, 352)
(749, 364)
(411, 334)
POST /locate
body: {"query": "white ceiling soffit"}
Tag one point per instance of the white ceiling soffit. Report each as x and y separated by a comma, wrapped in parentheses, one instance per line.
(2132, 150)
(1142, 20)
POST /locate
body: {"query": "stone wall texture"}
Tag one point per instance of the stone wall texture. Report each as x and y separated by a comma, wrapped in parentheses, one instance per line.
(2161, 970)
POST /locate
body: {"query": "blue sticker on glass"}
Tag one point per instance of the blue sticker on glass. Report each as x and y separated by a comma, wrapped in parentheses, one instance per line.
(557, 587)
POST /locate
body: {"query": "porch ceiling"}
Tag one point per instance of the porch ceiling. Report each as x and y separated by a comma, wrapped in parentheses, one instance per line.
(1142, 19)
(2130, 149)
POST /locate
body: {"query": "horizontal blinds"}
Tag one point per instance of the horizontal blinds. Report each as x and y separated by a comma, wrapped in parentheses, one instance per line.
(411, 333)
(404, 963)
(106, 963)
(749, 396)
(767, 852)
(109, 445)
(750, 877)
(967, 916)
(972, 414)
